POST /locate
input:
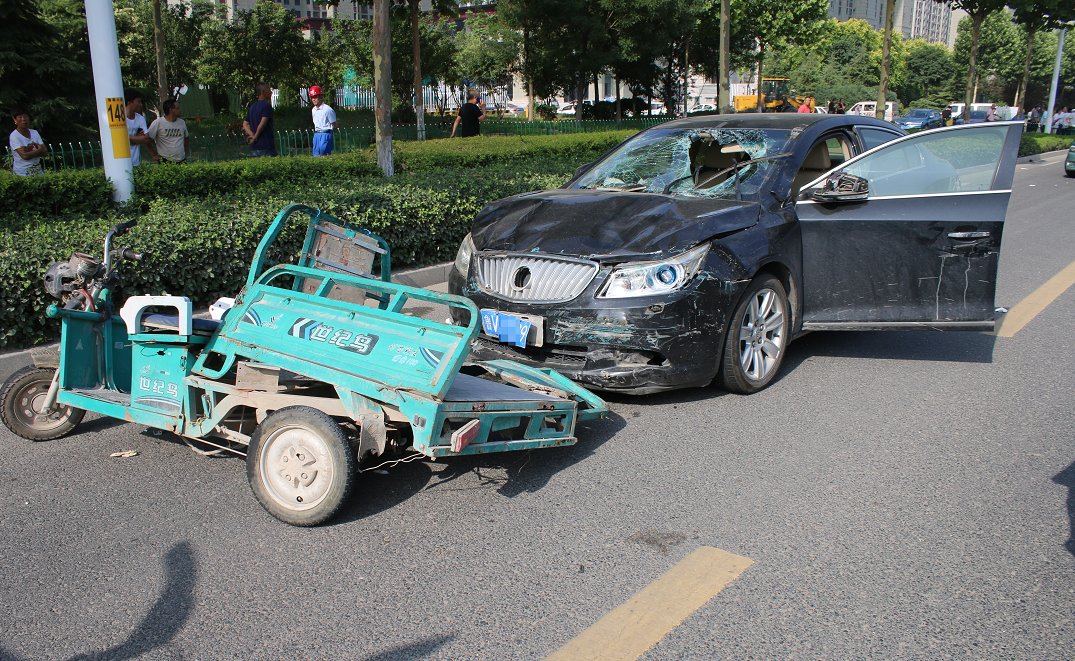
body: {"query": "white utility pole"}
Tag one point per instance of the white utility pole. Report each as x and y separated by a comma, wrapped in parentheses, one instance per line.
(1056, 79)
(108, 88)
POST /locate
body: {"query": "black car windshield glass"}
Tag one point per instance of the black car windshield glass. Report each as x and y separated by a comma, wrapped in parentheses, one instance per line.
(683, 158)
(918, 113)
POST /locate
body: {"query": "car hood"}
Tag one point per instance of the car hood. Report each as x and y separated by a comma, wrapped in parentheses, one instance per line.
(606, 224)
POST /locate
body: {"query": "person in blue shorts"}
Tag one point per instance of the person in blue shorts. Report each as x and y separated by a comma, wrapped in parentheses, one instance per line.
(324, 123)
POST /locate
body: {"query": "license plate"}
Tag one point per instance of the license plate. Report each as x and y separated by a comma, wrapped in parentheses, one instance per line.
(518, 329)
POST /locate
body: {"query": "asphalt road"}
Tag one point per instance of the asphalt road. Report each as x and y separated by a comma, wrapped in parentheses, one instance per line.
(901, 495)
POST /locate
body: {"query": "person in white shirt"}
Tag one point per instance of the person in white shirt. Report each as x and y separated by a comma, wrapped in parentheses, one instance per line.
(136, 127)
(324, 123)
(992, 115)
(170, 134)
(26, 144)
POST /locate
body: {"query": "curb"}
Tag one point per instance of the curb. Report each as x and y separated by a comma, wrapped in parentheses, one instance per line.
(424, 277)
(1030, 159)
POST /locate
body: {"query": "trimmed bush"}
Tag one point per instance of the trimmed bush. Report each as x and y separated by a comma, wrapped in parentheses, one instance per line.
(201, 247)
(1039, 143)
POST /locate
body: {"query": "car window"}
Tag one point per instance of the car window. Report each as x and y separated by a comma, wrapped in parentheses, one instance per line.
(690, 162)
(943, 162)
(873, 137)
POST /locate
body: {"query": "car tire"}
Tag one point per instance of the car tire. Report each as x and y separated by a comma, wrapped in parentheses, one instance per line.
(757, 337)
(300, 466)
(20, 406)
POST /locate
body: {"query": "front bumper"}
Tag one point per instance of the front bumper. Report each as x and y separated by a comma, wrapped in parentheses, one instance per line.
(638, 345)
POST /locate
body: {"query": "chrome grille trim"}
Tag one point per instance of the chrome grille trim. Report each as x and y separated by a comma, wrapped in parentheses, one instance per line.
(552, 279)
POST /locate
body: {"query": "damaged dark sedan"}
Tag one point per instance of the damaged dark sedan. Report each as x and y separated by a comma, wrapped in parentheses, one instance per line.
(698, 249)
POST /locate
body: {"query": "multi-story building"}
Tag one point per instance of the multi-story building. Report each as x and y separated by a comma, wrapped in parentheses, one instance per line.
(931, 20)
(304, 9)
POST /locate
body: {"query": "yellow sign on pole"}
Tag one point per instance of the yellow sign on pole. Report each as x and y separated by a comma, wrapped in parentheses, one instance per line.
(117, 123)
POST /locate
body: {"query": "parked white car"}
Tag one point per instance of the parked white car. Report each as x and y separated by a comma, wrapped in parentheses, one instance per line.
(869, 109)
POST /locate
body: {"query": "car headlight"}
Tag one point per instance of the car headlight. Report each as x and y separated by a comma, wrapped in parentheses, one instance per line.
(462, 258)
(649, 278)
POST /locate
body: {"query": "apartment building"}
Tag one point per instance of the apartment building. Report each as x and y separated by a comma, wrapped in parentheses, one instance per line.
(931, 20)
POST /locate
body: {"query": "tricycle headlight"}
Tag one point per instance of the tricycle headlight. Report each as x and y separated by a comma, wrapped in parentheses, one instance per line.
(649, 278)
(462, 258)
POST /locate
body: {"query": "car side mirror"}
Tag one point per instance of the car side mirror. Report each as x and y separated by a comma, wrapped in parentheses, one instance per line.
(842, 187)
(581, 170)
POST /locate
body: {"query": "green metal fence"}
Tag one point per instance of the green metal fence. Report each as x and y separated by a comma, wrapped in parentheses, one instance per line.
(214, 148)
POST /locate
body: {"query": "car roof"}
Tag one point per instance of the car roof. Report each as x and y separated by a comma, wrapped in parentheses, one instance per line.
(774, 120)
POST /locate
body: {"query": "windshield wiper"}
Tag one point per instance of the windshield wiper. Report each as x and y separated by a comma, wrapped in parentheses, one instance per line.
(735, 167)
(629, 189)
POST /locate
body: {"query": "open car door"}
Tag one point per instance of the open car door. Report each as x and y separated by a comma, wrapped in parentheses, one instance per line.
(907, 235)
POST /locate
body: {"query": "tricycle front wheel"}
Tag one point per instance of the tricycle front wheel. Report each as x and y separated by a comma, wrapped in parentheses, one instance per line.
(21, 405)
(300, 466)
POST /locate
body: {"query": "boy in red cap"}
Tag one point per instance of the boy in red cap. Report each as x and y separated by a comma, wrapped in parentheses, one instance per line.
(324, 123)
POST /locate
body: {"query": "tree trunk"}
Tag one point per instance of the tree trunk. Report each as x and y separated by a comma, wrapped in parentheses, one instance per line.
(581, 89)
(618, 114)
(761, 58)
(882, 89)
(686, 73)
(1026, 67)
(972, 82)
(158, 37)
(723, 87)
(419, 99)
(382, 84)
(531, 109)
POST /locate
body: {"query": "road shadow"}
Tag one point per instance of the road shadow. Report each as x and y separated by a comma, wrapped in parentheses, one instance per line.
(416, 650)
(165, 618)
(510, 473)
(949, 347)
(1066, 478)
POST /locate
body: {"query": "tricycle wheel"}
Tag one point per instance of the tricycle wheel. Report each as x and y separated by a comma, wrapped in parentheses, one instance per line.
(300, 465)
(20, 406)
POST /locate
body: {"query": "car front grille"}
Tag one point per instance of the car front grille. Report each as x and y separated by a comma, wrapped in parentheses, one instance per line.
(531, 278)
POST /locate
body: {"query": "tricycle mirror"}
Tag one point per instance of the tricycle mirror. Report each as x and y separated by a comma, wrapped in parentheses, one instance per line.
(842, 187)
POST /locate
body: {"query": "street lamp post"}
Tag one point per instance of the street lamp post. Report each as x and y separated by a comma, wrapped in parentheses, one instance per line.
(108, 89)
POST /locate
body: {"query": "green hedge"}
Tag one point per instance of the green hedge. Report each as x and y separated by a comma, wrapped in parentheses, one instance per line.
(1039, 143)
(201, 247)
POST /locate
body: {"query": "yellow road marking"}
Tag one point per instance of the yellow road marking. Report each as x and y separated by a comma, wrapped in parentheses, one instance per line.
(1032, 305)
(628, 631)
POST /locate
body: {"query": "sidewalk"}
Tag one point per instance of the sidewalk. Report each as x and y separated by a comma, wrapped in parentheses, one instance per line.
(431, 277)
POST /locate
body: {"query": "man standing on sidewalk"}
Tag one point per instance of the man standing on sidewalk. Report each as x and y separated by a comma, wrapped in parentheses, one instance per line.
(26, 145)
(324, 123)
(136, 126)
(258, 123)
(170, 134)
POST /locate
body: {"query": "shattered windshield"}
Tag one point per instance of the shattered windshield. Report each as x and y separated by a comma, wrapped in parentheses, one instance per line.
(691, 162)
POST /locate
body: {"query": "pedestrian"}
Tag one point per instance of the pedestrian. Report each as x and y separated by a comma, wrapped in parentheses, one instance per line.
(470, 116)
(258, 124)
(832, 106)
(1063, 119)
(170, 135)
(324, 123)
(136, 127)
(841, 107)
(1033, 120)
(946, 115)
(992, 115)
(805, 107)
(26, 144)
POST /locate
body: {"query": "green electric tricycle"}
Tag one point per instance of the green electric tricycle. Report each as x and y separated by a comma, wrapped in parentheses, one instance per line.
(316, 368)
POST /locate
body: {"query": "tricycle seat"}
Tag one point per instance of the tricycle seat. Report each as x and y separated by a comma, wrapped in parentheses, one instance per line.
(170, 322)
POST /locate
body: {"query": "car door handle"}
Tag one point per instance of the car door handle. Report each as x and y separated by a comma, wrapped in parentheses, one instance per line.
(967, 235)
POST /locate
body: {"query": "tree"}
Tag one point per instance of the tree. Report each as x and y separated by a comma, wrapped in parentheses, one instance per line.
(183, 29)
(1038, 16)
(882, 88)
(486, 52)
(977, 11)
(263, 44)
(34, 72)
(443, 7)
(928, 67)
(772, 24)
